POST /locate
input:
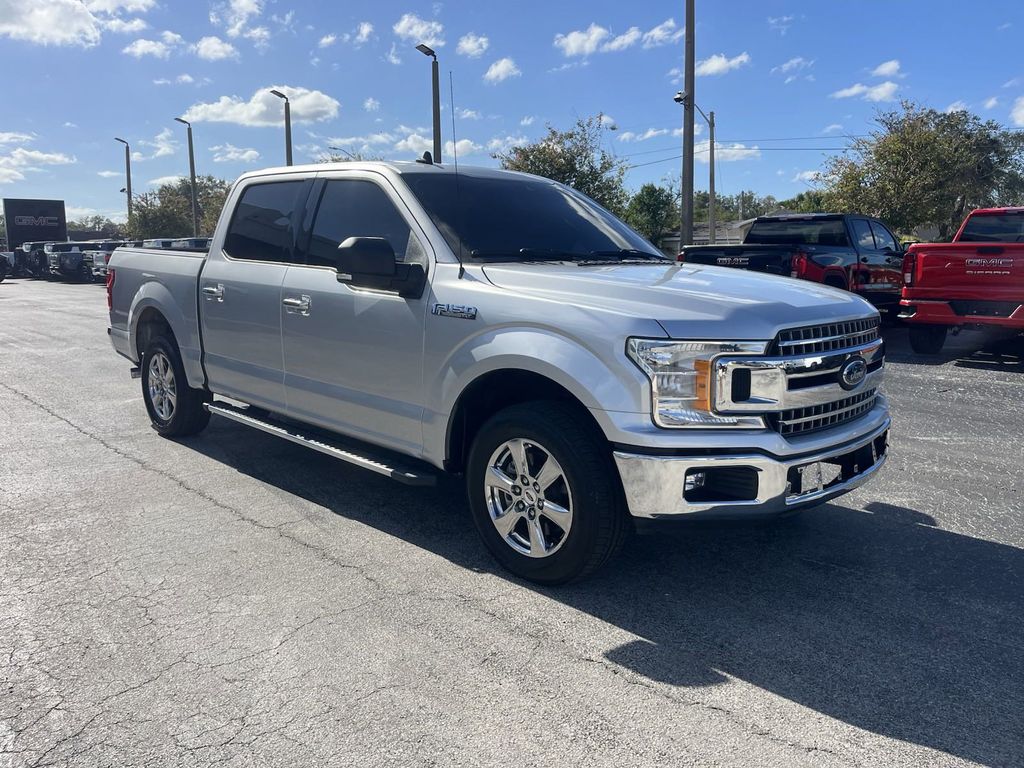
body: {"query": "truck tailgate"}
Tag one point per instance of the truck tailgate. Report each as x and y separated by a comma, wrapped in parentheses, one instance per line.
(774, 260)
(992, 272)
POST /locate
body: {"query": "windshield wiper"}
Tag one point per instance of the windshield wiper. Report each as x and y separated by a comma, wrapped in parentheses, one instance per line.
(622, 256)
(527, 254)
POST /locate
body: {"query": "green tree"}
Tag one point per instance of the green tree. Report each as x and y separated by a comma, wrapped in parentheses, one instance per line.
(922, 167)
(167, 212)
(810, 201)
(651, 211)
(97, 223)
(577, 158)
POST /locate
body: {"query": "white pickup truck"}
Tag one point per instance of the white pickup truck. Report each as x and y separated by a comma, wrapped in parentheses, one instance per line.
(414, 320)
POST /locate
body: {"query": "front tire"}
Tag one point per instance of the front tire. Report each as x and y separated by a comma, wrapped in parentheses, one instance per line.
(544, 493)
(175, 409)
(927, 339)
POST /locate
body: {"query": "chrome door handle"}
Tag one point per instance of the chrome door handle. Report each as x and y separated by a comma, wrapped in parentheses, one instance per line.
(214, 291)
(297, 305)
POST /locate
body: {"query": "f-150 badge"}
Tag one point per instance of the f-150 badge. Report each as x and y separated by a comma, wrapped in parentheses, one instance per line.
(455, 310)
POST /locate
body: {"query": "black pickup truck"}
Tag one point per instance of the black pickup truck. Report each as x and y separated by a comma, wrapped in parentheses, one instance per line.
(856, 253)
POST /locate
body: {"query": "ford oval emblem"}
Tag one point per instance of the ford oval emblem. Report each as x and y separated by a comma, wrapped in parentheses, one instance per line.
(853, 372)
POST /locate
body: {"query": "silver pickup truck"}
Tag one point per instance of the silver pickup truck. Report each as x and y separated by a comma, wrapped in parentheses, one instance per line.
(414, 320)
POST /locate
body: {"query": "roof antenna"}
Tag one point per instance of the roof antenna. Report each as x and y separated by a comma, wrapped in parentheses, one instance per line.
(455, 160)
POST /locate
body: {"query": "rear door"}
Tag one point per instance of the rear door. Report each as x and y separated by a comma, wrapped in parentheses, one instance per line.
(354, 357)
(240, 292)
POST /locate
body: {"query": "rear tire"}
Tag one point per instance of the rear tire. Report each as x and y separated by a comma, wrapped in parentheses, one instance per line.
(554, 522)
(175, 409)
(927, 339)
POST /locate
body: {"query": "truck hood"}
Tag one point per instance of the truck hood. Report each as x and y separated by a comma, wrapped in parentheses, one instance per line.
(687, 300)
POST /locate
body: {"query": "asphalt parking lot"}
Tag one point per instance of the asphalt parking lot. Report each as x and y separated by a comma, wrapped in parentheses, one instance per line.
(234, 599)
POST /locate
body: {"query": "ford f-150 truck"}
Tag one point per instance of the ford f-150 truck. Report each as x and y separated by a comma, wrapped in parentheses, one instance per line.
(975, 281)
(412, 320)
(856, 253)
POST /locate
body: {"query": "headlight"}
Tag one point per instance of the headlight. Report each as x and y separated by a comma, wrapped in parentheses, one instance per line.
(681, 380)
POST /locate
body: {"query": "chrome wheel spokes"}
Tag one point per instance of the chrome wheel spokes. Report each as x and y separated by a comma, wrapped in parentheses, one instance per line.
(528, 498)
(163, 389)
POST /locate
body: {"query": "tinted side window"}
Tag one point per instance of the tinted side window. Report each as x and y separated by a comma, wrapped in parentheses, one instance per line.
(261, 227)
(357, 208)
(862, 234)
(883, 237)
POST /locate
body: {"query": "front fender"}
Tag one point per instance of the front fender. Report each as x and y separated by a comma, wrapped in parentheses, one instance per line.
(153, 295)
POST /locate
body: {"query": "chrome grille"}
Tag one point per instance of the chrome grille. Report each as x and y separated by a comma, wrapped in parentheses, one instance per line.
(827, 338)
(799, 421)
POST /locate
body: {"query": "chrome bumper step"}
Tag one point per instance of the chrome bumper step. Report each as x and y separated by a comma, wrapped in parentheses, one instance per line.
(336, 447)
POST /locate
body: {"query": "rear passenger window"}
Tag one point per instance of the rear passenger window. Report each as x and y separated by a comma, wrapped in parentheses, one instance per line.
(862, 234)
(883, 238)
(261, 228)
(358, 208)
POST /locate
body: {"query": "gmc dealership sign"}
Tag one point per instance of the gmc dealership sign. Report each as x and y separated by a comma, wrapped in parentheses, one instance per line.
(34, 220)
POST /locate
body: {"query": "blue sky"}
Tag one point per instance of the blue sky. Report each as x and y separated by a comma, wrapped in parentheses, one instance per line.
(788, 81)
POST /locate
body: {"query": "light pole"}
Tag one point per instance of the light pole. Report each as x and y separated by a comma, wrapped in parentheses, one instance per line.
(427, 51)
(192, 176)
(681, 98)
(127, 173)
(287, 126)
(343, 151)
(686, 217)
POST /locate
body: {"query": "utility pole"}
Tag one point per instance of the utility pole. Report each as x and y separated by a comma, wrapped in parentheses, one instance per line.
(127, 174)
(686, 219)
(192, 176)
(435, 78)
(711, 180)
(287, 126)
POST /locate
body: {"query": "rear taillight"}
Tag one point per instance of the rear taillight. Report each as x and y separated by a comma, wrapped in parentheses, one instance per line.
(909, 267)
(798, 268)
(110, 289)
(681, 256)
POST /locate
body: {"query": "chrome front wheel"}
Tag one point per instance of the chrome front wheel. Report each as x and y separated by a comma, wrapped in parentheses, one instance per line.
(528, 498)
(163, 389)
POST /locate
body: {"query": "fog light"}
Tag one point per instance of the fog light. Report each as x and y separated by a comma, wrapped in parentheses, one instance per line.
(694, 479)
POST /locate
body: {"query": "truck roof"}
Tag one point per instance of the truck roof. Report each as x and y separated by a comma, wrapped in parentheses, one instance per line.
(394, 166)
(996, 211)
(799, 216)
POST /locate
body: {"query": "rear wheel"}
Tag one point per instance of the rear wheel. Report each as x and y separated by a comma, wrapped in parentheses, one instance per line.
(174, 408)
(544, 493)
(927, 339)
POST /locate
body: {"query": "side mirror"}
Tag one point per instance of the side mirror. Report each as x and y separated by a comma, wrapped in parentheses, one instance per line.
(369, 262)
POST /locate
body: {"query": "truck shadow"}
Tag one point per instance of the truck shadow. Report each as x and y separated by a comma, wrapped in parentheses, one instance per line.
(873, 616)
(970, 349)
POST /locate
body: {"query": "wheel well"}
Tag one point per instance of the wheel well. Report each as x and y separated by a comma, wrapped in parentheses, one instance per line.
(493, 392)
(151, 324)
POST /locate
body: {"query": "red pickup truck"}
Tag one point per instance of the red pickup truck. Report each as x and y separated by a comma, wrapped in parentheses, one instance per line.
(977, 280)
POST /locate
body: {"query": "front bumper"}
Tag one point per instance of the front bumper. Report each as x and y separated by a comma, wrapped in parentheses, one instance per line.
(752, 485)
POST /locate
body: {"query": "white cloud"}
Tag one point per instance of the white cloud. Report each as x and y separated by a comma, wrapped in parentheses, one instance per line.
(505, 143)
(627, 39)
(171, 38)
(808, 177)
(69, 124)
(469, 114)
(889, 68)
(55, 22)
(1017, 113)
(125, 26)
(725, 153)
(235, 15)
(10, 137)
(992, 102)
(413, 28)
(607, 121)
(392, 56)
(1012, 83)
(142, 47)
(327, 40)
(212, 48)
(15, 163)
(780, 24)
(363, 32)
(528, 120)
(581, 42)
(957, 106)
(795, 64)
(110, 174)
(163, 144)
(719, 64)
(119, 6)
(500, 70)
(229, 153)
(263, 108)
(650, 133)
(832, 128)
(159, 181)
(415, 143)
(465, 147)
(472, 45)
(663, 34)
(185, 78)
(369, 140)
(371, 104)
(882, 92)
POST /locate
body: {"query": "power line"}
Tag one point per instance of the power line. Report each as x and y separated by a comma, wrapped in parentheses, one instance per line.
(748, 149)
(721, 142)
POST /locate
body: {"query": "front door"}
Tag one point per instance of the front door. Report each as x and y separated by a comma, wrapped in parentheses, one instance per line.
(354, 357)
(240, 294)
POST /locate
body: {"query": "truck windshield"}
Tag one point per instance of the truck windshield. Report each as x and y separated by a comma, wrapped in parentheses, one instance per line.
(798, 232)
(998, 228)
(512, 218)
